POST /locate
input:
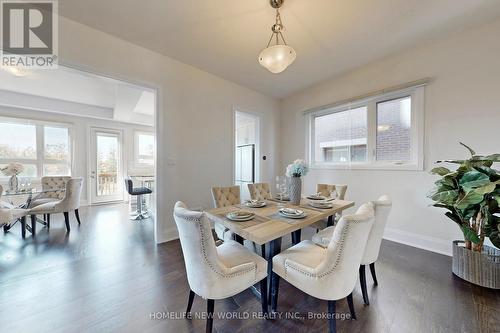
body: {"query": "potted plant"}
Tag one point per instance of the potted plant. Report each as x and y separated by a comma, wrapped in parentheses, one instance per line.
(13, 170)
(294, 171)
(471, 194)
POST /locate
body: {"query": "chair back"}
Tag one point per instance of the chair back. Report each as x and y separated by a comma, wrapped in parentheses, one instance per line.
(337, 274)
(226, 196)
(129, 185)
(327, 189)
(383, 206)
(72, 196)
(199, 250)
(260, 191)
(54, 183)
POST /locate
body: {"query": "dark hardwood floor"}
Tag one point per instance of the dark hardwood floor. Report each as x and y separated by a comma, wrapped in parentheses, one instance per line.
(108, 276)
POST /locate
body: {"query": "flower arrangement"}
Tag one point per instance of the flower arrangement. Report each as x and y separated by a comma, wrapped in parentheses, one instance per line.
(297, 169)
(13, 169)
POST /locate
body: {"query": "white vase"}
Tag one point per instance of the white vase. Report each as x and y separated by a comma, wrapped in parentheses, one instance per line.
(295, 190)
(13, 183)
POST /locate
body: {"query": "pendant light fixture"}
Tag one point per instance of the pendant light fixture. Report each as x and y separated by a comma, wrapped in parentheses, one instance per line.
(276, 58)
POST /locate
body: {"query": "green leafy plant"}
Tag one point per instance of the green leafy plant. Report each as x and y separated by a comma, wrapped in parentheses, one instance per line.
(471, 194)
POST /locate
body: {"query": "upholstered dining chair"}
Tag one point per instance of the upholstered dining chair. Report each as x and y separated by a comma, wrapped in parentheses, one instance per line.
(224, 197)
(326, 190)
(260, 191)
(9, 214)
(54, 185)
(216, 272)
(382, 207)
(71, 202)
(326, 273)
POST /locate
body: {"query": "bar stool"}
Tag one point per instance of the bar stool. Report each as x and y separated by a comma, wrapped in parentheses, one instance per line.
(138, 192)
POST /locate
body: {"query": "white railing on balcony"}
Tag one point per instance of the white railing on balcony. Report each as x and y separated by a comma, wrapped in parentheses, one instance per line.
(107, 184)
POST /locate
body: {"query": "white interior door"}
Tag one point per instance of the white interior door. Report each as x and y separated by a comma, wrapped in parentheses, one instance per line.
(106, 166)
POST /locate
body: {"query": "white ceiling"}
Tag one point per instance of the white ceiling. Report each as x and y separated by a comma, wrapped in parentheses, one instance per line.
(108, 98)
(224, 37)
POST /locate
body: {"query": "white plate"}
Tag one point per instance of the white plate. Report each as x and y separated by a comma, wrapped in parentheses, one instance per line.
(326, 205)
(316, 197)
(240, 219)
(291, 211)
(259, 204)
(301, 216)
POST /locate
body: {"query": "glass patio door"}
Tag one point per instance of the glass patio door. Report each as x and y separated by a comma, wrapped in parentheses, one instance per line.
(106, 176)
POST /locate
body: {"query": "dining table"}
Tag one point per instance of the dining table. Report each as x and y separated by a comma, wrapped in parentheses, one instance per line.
(268, 226)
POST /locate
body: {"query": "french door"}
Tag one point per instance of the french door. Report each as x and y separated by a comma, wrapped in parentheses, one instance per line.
(106, 167)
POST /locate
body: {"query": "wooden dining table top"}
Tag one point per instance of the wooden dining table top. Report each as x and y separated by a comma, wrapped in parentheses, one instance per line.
(268, 224)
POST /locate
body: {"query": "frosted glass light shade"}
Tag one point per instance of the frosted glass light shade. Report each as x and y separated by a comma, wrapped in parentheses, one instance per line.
(277, 58)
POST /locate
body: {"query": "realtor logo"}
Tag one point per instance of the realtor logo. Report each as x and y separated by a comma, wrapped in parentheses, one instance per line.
(29, 33)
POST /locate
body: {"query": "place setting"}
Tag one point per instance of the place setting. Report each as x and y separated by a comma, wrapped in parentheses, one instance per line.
(317, 200)
(240, 216)
(292, 213)
(254, 203)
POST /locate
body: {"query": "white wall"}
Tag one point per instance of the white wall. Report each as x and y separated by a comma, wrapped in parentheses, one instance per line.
(80, 138)
(195, 135)
(461, 104)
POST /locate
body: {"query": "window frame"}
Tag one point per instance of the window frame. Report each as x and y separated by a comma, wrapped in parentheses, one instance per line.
(40, 160)
(416, 162)
(138, 157)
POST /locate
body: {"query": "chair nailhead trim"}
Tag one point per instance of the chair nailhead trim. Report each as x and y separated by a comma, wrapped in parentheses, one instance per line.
(337, 259)
(205, 256)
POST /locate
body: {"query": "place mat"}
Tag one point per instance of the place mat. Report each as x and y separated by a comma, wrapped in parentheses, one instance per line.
(321, 210)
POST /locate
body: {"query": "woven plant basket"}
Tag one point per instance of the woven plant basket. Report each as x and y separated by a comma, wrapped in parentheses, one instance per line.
(481, 268)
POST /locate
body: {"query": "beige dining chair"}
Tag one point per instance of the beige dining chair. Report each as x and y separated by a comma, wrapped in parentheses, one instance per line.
(71, 202)
(260, 191)
(326, 190)
(224, 197)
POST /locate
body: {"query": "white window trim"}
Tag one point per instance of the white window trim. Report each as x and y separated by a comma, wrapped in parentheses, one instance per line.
(417, 133)
(40, 144)
(137, 157)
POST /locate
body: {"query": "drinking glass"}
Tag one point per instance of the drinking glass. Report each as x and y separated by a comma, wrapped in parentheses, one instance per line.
(280, 188)
(333, 194)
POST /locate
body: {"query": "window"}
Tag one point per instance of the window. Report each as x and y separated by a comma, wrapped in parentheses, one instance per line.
(144, 148)
(341, 137)
(56, 151)
(394, 130)
(43, 149)
(384, 131)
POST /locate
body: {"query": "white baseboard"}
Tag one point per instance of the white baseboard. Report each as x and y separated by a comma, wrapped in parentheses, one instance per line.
(167, 236)
(432, 244)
